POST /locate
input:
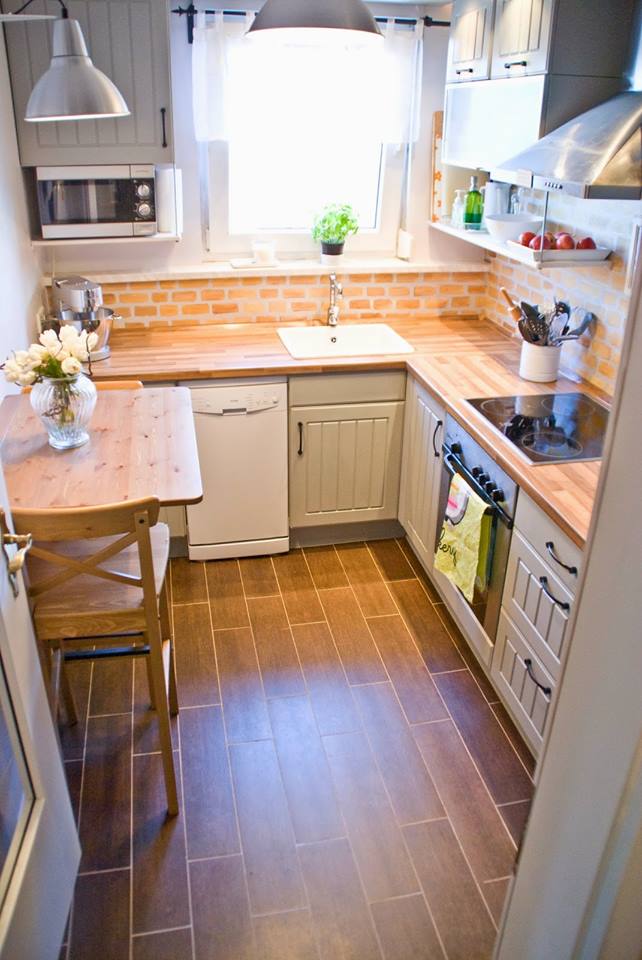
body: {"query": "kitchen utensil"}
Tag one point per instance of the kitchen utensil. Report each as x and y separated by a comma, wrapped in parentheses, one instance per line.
(514, 310)
(78, 302)
(577, 332)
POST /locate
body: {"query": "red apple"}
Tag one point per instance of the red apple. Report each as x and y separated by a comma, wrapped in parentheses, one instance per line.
(525, 238)
(536, 242)
(564, 241)
(586, 243)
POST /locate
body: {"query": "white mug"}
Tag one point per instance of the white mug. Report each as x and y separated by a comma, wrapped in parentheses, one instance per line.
(264, 252)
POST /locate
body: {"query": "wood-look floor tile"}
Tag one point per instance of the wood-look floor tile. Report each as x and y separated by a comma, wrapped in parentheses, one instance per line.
(495, 893)
(491, 750)
(246, 716)
(299, 594)
(258, 577)
(73, 775)
(72, 737)
(171, 945)
(225, 589)
(285, 936)
(305, 772)
(405, 929)
(159, 869)
(468, 805)
(407, 670)
(359, 655)
(145, 719)
(435, 645)
(418, 569)
(391, 560)
(340, 915)
(373, 832)
(457, 907)
(273, 875)
(111, 687)
(210, 819)
(105, 805)
(469, 658)
(222, 924)
(325, 678)
(325, 567)
(513, 735)
(196, 675)
(404, 772)
(368, 585)
(275, 648)
(515, 816)
(101, 917)
(188, 581)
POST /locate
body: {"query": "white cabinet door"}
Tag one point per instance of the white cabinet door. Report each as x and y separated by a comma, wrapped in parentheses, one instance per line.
(471, 33)
(421, 470)
(345, 462)
(129, 41)
(522, 35)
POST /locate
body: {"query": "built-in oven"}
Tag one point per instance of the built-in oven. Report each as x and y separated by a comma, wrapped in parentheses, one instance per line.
(96, 201)
(463, 455)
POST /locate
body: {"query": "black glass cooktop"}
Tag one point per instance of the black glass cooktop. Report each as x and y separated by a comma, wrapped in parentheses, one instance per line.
(550, 427)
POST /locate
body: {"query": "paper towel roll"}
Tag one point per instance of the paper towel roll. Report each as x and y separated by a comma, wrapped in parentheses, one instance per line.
(169, 199)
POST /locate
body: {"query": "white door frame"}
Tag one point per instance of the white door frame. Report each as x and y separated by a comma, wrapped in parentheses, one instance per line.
(34, 913)
(580, 845)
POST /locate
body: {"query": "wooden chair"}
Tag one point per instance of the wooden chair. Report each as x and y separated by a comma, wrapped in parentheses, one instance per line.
(96, 583)
(109, 385)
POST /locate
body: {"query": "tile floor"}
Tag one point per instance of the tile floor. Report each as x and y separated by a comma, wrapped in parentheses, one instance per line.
(351, 787)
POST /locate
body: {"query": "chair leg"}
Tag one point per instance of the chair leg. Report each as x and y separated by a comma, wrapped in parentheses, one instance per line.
(167, 634)
(67, 693)
(150, 682)
(173, 693)
(162, 712)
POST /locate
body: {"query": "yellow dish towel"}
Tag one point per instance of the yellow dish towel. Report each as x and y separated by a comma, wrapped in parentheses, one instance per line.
(462, 552)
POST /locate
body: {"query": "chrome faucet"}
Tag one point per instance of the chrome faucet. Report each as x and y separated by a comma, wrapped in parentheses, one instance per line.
(336, 292)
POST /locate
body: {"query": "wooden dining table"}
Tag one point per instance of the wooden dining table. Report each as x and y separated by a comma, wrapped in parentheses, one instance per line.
(142, 443)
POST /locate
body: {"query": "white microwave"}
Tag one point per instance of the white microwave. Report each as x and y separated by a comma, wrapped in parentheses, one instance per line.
(118, 200)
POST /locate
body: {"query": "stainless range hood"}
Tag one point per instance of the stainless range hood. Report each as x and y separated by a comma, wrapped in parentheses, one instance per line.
(597, 155)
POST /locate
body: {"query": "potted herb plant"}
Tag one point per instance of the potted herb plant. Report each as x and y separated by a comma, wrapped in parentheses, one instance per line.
(331, 227)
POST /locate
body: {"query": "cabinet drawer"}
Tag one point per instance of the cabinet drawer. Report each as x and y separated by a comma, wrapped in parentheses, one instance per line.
(522, 681)
(560, 553)
(322, 388)
(538, 603)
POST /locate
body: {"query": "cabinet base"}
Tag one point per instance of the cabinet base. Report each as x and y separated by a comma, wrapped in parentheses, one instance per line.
(249, 548)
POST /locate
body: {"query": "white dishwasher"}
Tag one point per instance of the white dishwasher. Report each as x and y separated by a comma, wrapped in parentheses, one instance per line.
(242, 435)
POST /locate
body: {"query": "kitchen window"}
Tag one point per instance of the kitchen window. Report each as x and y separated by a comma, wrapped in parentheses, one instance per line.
(293, 128)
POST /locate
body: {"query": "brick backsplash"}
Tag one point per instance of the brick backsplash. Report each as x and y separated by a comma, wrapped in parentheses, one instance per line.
(294, 299)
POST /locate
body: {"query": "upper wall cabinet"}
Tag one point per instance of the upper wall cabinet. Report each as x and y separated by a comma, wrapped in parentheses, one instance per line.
(129, 41)
(471, 35)
(522, 35)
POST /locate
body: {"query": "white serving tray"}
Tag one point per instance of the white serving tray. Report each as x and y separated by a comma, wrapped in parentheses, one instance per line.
(539, 256)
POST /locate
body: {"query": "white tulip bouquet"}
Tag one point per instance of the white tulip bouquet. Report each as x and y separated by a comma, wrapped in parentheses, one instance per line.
(56, 356)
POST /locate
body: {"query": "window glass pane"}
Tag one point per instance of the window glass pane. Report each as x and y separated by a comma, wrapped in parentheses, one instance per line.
(283, 184)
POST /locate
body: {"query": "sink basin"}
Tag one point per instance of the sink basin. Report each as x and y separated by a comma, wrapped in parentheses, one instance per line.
(349, 340)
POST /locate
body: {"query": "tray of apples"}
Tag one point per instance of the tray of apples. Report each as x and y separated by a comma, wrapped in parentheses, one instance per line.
(559, 246)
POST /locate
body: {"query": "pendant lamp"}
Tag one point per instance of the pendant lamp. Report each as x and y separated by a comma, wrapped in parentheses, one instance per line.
(347, 21)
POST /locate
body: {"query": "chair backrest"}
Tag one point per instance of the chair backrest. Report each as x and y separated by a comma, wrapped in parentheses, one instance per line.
(123, 524)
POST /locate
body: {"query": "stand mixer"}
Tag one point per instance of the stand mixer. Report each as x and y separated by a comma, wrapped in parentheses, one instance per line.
(79, 302)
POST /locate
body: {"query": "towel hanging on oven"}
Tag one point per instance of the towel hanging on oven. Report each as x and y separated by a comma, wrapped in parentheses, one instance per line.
(465, 540)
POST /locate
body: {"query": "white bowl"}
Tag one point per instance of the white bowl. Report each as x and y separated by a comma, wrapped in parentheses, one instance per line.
(508, 226)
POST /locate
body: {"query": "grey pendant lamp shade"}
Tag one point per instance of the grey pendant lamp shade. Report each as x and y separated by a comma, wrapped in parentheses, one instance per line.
(345, 17)
(73, 88)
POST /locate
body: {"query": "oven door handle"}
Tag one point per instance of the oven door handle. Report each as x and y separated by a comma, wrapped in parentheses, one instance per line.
(453, 466)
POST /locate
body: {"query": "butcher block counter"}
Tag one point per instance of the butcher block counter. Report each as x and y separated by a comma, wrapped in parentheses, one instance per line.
(454, 358)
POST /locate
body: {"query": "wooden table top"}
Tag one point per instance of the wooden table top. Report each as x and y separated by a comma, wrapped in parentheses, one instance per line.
(142, 444)
(455, 358)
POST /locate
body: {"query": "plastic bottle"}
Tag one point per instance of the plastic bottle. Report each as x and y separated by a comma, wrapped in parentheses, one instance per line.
(457, 212)
(474, 207)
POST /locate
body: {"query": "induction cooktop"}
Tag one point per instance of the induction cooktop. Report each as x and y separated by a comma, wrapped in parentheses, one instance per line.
(550, 427)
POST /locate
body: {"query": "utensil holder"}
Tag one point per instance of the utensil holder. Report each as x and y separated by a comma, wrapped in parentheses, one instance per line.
(539, 364)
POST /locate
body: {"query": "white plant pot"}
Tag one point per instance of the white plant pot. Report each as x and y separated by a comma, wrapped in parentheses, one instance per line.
(332, 259)
(540, 364)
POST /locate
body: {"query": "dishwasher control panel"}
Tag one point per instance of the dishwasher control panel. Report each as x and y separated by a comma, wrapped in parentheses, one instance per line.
(224, 401)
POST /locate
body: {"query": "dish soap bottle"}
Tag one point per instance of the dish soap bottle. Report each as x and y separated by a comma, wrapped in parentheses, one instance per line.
(474, 208)
(457, 213)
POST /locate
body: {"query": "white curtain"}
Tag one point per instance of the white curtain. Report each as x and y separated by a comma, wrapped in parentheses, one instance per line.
(244, 89)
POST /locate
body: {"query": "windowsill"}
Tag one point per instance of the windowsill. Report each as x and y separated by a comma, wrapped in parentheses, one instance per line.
(221, 269)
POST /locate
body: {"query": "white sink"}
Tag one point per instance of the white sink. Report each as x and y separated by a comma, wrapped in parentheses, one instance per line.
(349, 340)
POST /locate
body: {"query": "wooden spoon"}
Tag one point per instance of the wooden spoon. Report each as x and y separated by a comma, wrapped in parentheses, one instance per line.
(514, 311)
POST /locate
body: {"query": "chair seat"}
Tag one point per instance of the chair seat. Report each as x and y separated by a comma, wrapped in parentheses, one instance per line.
(86, 606)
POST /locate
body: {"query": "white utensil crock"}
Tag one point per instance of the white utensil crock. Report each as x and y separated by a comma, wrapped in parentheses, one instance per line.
(540, 364)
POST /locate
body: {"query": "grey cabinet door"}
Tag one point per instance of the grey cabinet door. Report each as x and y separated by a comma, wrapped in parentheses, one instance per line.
(522, 37)
(129, 41)
(471, 34)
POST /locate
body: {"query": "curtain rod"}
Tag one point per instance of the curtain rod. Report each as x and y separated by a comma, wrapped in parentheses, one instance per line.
(191, 11)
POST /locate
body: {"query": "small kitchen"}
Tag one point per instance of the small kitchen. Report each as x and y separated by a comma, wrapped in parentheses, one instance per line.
(328, 373)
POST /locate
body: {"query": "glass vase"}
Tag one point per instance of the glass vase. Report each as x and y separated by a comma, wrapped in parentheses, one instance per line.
(65, 407)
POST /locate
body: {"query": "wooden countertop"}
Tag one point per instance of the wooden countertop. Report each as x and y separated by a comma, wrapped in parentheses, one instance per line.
(454, 358)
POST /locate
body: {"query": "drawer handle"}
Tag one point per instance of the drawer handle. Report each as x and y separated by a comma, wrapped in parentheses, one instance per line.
(529, 670)
(464, 70)
(550, 546)
(560, 603)
(515, 63)
(440, 424)
(300, 450)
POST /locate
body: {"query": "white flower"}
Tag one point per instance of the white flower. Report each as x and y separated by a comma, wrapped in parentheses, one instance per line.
(23, 358)
(49, 339)
(71, 366)
(92, 340)
(12, 371)
(27, 378)
(38, 353)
